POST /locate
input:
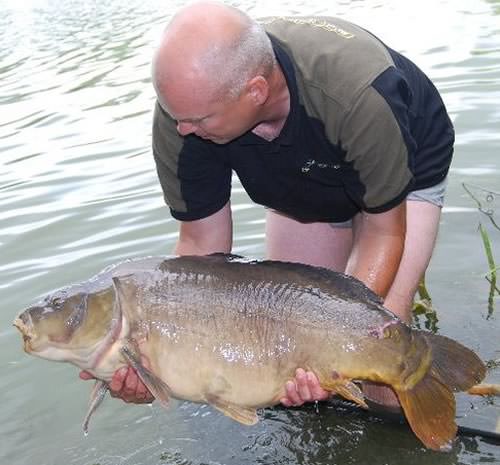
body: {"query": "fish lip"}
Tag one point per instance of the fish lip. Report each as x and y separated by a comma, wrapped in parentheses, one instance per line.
(20, 325)
(25, 331)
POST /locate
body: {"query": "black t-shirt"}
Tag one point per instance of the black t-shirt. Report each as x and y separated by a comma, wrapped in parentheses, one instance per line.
(366, 127)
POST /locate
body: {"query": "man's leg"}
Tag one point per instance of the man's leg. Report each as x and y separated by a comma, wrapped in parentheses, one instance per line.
(317, 244)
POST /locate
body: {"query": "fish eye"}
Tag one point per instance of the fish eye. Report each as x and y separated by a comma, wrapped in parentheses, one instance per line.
(56, 303)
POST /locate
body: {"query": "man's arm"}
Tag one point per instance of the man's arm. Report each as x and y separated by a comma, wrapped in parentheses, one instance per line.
(377, 250)
(208, 235)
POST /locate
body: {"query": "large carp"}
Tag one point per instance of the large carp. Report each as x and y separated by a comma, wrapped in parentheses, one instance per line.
(230, 332)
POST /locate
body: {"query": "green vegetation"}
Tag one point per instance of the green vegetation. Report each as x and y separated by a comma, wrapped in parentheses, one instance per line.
(422, 307)
(484, 200)
(491, 276)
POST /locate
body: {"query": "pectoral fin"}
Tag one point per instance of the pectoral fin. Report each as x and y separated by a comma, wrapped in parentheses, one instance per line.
(96, 397)
(245, 415)
(158, 388)
(347, 389)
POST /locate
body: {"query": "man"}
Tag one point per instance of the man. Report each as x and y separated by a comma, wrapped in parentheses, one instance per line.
(345, 141)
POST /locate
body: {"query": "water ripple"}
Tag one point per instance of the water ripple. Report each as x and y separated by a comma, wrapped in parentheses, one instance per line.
(79, 191)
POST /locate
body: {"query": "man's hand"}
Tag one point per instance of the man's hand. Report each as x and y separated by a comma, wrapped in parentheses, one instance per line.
(126, 385)
(304, 388)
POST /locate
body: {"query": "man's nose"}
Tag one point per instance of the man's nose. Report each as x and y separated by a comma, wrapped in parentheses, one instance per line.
(184, 128)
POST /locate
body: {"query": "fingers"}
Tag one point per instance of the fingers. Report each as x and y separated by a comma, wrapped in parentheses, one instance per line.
(304, 388)
(292, 398)
(126, 385)
(130, 385)
(317, 392)
(116, 384)
(134, 390)
(85, 375)
(302, 382)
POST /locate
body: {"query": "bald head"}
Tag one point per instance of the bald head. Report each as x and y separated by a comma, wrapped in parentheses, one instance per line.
(210, 47)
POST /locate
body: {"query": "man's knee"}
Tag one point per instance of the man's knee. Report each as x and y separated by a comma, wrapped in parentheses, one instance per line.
(311, 243)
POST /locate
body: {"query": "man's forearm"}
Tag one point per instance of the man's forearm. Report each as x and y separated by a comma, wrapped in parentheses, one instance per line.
(375, 260)
(208, 235)
(189, 246)
(377, 249)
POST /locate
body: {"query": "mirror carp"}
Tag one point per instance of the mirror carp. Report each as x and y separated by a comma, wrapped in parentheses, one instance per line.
(230, 332)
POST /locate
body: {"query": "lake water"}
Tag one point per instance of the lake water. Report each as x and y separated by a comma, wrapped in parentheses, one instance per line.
(79, 191)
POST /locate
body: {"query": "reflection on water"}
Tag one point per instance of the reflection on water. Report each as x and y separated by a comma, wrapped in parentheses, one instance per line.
(79, 191)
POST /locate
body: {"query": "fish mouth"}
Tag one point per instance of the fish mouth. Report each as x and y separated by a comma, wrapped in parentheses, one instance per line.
(25, 328)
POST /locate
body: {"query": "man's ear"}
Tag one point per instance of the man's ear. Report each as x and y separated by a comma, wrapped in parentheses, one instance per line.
(258, 90)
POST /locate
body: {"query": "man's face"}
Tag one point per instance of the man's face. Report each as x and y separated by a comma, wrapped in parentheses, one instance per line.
(217, 120)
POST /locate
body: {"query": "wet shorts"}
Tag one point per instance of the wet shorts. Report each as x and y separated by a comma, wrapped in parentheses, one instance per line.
(433, 194)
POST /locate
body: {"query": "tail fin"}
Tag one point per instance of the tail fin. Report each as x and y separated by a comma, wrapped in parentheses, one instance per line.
(429, 405)
(430, 410)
